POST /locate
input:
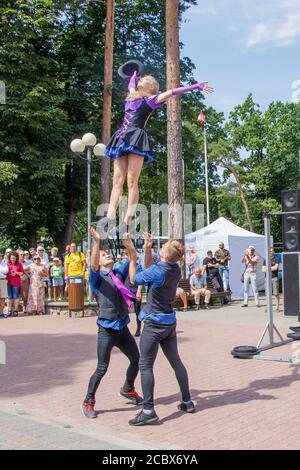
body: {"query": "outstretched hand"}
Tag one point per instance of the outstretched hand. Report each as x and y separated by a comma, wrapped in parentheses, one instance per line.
(128, 244)
(95, 234)
(208, 88)
(148, 240)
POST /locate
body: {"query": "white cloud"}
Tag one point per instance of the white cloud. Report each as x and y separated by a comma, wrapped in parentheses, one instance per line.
(278, 31)
(262, 22)
(206, 10)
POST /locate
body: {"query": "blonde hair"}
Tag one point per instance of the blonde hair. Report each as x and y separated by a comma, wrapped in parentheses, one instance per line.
(174, 251)
(152, 88)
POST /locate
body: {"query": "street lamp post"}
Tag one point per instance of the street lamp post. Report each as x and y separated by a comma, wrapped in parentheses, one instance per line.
(201, 121)
(78, 146)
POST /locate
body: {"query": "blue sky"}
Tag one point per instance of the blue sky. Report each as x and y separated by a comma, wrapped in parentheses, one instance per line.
(243, 46)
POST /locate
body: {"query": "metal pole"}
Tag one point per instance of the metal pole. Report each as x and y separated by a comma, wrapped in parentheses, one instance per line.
(269, 276)
(89, 216)
(206, 179)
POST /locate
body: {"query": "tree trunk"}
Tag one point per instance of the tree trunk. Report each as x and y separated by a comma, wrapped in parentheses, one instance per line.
(67, 236)
(242, 193)
(107, 98)
(174, 139)
(72, 195)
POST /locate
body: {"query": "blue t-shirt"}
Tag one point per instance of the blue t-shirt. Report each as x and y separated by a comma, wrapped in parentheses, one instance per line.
(154, 277)
(198, 282)
(95, 279)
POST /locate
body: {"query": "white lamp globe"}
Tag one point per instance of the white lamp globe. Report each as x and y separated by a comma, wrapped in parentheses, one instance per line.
(77, 146)
(99, 150)
(89, 140)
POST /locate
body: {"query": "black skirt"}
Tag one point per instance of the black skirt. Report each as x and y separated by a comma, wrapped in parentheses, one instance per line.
(135, 140)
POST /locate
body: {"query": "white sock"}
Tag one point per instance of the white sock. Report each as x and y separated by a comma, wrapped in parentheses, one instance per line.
(148, 412)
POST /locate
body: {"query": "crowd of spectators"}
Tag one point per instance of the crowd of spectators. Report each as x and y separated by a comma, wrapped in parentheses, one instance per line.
(34, 277)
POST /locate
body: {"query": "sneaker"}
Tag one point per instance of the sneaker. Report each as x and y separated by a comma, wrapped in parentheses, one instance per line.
(8, 314)
(206, 307)
(244, 305)
(88, 410)
(197, 307)
(258, 306)
(120, 230)
(132, 396)
(142, 418)
(14, 314)
(186, 407)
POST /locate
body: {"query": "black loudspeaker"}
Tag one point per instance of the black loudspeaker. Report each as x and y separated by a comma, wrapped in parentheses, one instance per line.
(291, 284)
(291, 223)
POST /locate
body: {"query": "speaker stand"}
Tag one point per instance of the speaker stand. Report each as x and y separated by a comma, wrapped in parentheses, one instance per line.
(270, 328)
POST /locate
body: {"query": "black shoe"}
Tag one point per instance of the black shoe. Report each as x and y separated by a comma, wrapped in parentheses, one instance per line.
(258, 306)
(88, 410)
(119, 231)
(137, 333)
(244, 305)
(2, 315)
(103, 224)
(186, 407)
(8, 314)
(132, 395)
(142, 418)
(14, 314)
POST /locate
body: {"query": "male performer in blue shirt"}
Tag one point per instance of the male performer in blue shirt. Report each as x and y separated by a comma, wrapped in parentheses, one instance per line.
(112, 299)
(159, 322)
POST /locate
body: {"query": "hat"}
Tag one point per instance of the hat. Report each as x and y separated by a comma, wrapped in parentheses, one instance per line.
(8, 250)
(126, 70)
(221, 243)
(251, 247)
(56, 259)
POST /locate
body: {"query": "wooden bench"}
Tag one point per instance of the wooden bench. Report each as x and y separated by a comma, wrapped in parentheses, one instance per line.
(215, 295)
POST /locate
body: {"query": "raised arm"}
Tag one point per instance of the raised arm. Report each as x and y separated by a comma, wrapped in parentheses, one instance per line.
(148, 258)
(132, 84)
(132, 255)
(95, 256)
(203, 86)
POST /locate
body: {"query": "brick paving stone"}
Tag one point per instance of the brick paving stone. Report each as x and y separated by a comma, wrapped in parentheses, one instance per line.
(240, 403)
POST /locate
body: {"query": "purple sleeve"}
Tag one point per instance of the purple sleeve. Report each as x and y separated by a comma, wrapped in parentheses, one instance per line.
(132, 82)
(152, 102)
(186, 89)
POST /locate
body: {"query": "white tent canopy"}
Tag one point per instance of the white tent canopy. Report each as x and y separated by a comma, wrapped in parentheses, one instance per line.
(236, 240)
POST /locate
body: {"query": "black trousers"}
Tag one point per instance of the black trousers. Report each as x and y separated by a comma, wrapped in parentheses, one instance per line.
(153, 335)
(137, 308)
(217, 282)
(107, 339)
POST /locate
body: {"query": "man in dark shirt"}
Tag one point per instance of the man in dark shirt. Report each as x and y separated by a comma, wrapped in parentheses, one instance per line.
(112, 321)
(223, 256)
(211, 266)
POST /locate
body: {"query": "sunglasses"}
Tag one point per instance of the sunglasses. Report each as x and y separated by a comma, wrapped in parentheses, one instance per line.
(36, 259)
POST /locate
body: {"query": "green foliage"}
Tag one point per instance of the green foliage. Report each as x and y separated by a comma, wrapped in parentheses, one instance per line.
(51, 61)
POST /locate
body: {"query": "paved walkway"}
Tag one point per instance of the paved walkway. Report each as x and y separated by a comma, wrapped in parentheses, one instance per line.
(241, 404)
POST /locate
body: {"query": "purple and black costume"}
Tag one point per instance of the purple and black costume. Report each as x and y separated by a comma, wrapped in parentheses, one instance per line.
(132, 137)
